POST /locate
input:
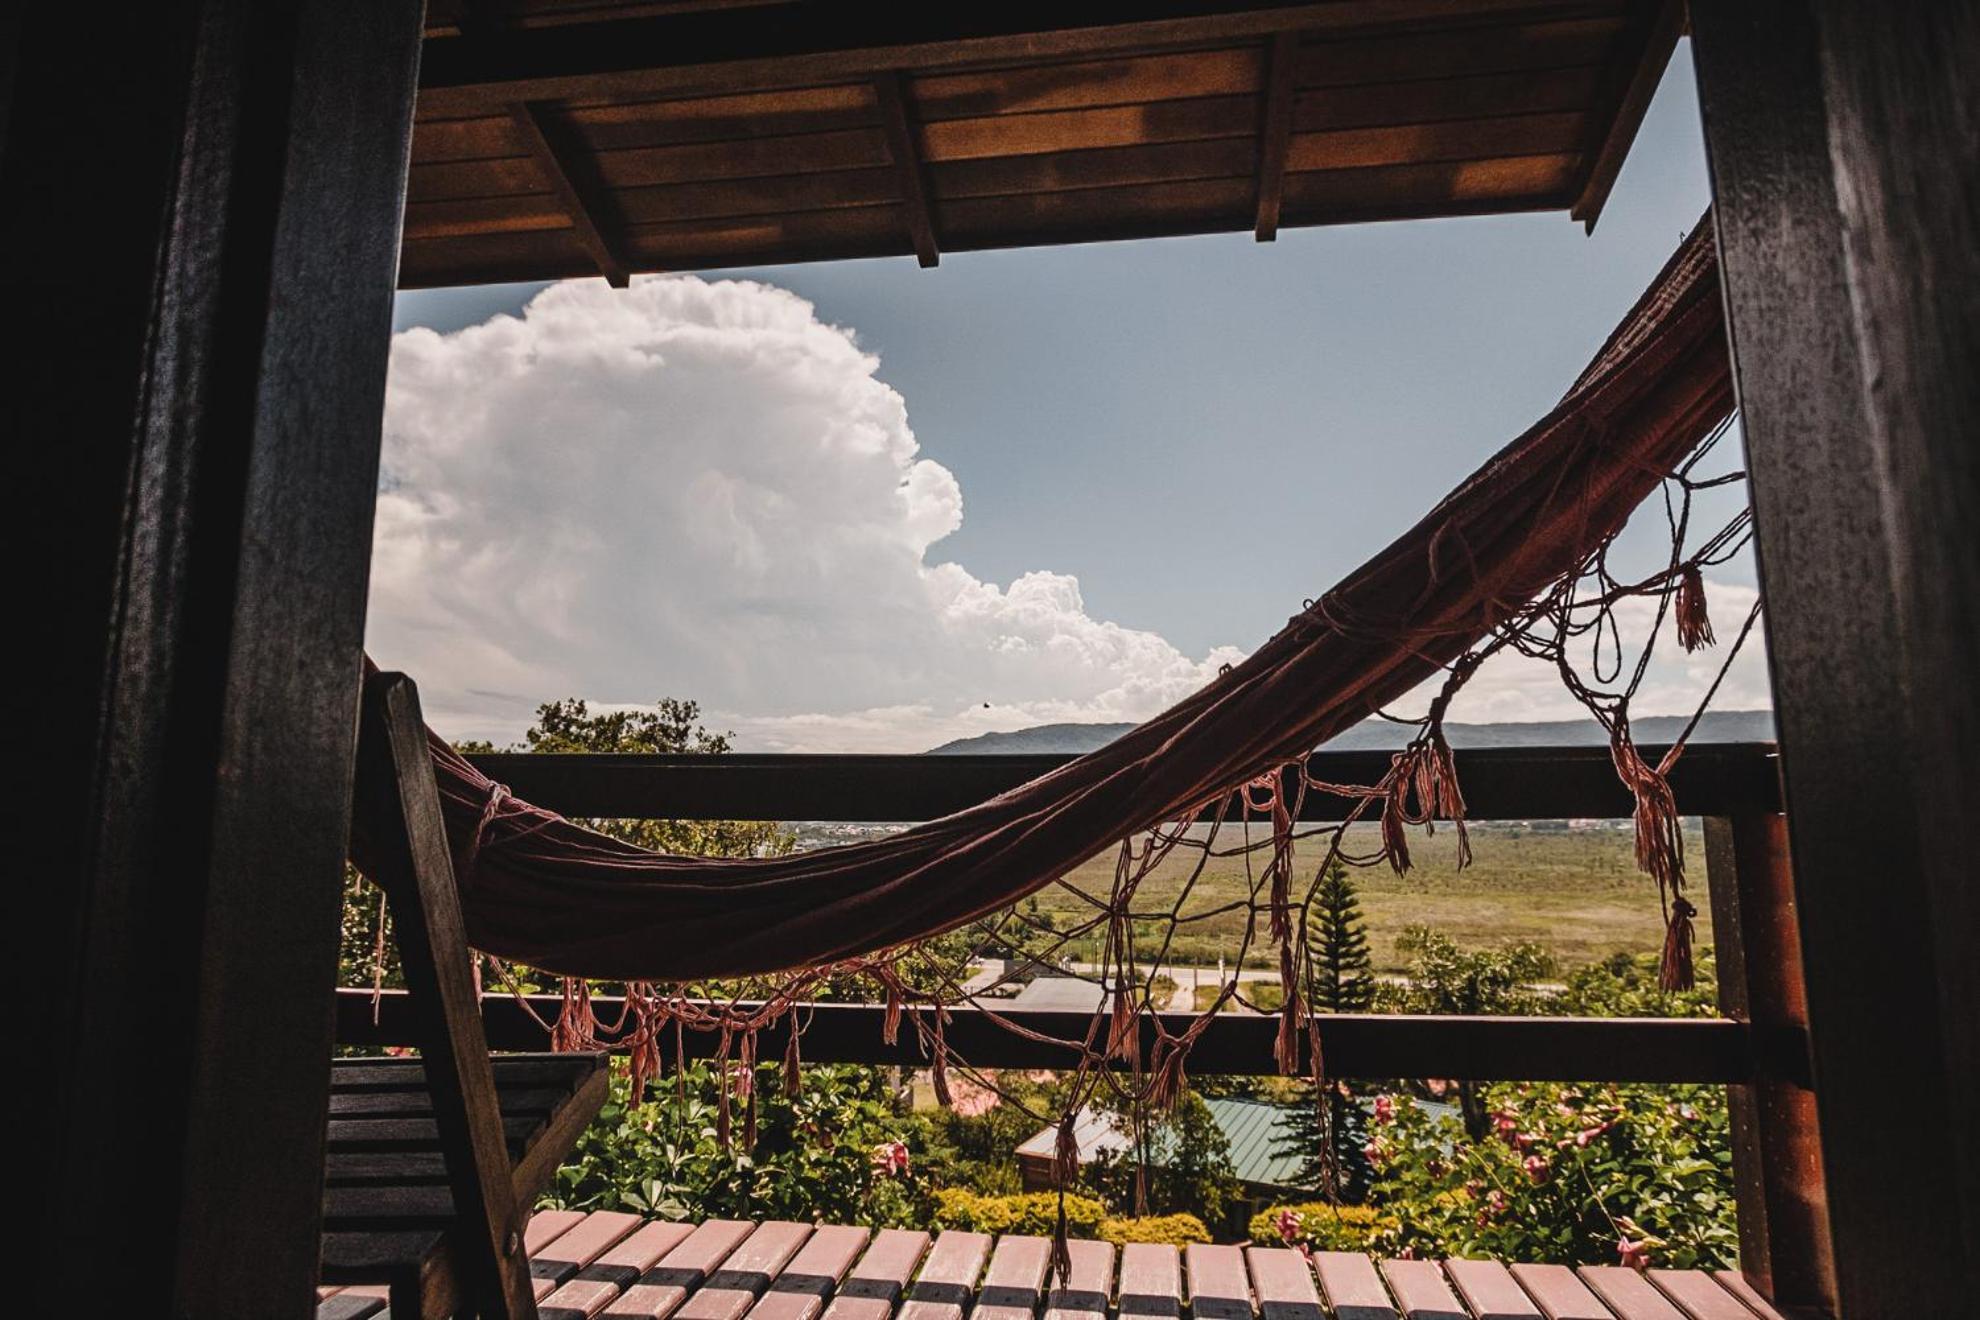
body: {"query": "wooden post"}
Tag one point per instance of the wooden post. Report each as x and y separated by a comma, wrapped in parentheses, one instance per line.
(1843, 151)
(200, 205)
(1777, 1158)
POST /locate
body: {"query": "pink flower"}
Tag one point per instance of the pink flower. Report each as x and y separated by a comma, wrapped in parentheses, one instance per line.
(1525, 1141)
(890, 1159)
(1375, 1153)
(1586, 1135)
(1288, 1223)
(1385, 1109)
(1633, 1255)
(1536, 1167)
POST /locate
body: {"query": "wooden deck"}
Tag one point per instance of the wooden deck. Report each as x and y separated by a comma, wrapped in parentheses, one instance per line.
(618, 1266)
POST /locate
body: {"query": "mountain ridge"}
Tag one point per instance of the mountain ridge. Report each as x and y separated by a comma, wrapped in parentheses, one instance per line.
(1382, 735)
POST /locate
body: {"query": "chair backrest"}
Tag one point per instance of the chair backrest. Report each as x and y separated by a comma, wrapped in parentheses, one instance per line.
(416, 870)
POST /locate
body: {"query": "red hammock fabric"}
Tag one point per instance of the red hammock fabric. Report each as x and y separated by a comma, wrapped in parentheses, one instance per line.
(542, 891)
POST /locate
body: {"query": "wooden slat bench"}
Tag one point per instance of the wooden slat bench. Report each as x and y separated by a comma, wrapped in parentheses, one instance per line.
(611, 1266)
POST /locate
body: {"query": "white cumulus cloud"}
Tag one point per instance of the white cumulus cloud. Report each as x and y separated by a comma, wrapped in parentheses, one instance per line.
(700, 489)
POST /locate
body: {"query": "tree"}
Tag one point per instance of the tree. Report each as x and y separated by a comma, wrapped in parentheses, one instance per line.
(1327, 1131)
(1343, 979)
(1444, 977)
(1189, 1167)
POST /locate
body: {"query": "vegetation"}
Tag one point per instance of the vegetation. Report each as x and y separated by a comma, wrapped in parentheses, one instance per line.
(1035, 1213)
(1322, 1226)
(1166, 1230)
(1326, 1130)
(1630, 1175)
(1189, 1166)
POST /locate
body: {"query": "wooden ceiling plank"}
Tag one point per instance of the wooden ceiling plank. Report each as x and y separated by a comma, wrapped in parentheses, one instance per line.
(1561, 42)
(1275, 134)
(1089, 85)
(539, 135)
(1407, 144)
(1651, 53)
(796, 45)
(908, 169)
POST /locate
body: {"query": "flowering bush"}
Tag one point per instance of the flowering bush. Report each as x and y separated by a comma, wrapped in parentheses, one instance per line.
(1169, 1230)
(1319, 1226)
(1632, 1175)
(1027, 1212)
(837, 1150)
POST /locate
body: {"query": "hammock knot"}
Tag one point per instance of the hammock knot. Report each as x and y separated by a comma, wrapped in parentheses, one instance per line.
(1694, 624)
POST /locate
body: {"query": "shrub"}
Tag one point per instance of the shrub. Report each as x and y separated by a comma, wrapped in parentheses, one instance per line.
(1638, 1175)
(1034, 1213)
(1319, 1226)
(1169, 1230)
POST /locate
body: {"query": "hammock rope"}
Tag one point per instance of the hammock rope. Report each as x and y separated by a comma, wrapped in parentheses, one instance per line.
(1516, 558)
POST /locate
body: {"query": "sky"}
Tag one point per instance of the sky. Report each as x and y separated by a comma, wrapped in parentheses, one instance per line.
(863, 506)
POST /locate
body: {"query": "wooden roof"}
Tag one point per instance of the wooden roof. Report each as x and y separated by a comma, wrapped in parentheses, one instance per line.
(571, 137)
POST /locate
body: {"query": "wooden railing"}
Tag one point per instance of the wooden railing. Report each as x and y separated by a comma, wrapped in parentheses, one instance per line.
(1758, 1048)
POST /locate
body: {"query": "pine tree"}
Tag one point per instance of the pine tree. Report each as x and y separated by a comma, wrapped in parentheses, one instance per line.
(1337, 945)
(1343, 981)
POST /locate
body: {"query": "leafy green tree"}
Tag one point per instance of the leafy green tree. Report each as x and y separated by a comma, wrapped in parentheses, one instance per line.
(1444, 977)
(1189, 1165)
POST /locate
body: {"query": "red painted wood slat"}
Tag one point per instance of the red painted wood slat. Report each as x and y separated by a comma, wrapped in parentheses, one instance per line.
(598, 1283)
(583, 1243)
(1015, 1281)
(1353, 1287)
(807, 1283)
(1559, 1294)
(1282, 1283)
(1735, 1283)
(948, 1279)
(1628, 1293)
(877, 1282)
(747, 1273)
(662, 1288)
(1151, 1282)
(1490, 1290)
(1083, 1294)
(1218, 1289)
(1699, 1295)
(1420, 1290)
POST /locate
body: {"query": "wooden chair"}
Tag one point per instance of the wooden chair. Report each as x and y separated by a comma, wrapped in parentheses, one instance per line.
(433, 1163)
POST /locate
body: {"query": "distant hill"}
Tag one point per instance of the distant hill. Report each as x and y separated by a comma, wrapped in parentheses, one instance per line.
(1380, 735)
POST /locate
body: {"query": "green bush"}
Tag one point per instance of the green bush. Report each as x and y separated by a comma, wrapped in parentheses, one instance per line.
(1034, 1213)
(1630, 1174)
(816, 1154)
(1169, 1230)
(1321, 1227)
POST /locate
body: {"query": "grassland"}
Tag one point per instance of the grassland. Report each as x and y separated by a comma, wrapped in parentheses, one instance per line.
(1576, 892)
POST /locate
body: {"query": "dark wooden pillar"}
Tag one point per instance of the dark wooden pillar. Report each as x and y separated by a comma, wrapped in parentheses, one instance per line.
(200, 205)
(1784, 1243)
(1845, 152)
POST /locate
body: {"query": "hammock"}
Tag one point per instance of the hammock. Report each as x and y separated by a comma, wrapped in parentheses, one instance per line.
(1501, 552)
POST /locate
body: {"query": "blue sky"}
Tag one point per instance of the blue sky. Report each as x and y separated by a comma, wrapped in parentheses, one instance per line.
(1202, 432)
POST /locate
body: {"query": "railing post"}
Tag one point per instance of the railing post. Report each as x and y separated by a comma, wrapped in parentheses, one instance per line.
(1784, 1245)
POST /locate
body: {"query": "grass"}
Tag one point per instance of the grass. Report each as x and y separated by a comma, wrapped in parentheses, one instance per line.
(1575, 892)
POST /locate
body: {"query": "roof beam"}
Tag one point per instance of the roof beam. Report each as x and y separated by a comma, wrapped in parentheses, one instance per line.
(890, 88)
(698, 51)
(1656, 38)
(541, 138)
(1275, 133)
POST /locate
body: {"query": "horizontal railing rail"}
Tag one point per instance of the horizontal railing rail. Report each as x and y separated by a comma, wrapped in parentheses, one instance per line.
(1354, 1045)
(1541, 783)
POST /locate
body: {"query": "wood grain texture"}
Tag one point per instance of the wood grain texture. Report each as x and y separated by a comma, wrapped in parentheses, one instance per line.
(1852, 355)
(200, 480)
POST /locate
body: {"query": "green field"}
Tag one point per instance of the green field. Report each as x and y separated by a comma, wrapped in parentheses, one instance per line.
(1574, 891)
